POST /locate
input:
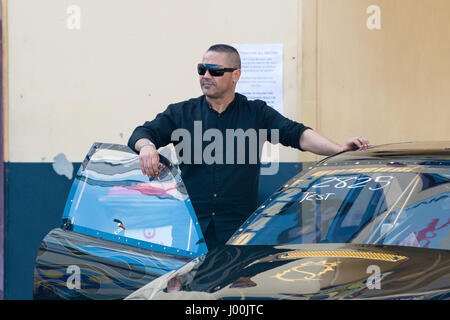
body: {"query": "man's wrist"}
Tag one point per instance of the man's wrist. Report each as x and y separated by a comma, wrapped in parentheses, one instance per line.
(146, 143)
(340, 148)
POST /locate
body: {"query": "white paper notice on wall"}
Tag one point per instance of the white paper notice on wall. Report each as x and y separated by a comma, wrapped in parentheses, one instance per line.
(262, 73)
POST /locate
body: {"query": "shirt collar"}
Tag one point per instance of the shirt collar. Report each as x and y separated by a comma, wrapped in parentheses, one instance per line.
(230, 106)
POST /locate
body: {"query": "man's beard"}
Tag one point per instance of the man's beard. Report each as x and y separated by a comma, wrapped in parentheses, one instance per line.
(210, 84)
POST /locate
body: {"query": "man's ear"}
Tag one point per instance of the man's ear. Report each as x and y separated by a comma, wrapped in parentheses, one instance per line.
(236, 75)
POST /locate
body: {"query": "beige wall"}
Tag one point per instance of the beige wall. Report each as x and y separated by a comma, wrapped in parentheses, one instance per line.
(130, 59)
(127, 62)
(391, 84)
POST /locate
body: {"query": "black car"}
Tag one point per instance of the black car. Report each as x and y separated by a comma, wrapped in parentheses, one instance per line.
(358, 225)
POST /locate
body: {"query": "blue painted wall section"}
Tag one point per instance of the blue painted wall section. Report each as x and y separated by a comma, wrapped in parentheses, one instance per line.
(35, 199)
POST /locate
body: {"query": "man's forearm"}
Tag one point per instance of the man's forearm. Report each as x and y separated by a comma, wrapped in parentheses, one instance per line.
(318, 144)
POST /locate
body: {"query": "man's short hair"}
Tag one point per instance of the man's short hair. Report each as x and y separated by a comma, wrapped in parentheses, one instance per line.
(235, 58)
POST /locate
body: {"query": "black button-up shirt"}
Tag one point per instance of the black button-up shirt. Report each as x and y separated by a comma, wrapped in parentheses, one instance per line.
(226, 190)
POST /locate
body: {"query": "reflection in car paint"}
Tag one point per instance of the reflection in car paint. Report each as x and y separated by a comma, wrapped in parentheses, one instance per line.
(306, 271)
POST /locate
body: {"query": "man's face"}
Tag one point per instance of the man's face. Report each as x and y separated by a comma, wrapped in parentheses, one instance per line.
(217, 87)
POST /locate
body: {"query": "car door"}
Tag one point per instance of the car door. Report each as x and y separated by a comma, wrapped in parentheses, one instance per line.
(119, 230)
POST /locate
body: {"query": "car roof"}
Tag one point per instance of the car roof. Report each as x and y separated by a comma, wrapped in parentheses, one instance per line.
(432, 152)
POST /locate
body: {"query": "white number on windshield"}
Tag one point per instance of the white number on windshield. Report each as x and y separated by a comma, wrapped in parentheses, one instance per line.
(354, 182)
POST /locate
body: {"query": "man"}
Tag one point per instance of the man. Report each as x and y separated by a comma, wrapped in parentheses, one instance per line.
(223, 193)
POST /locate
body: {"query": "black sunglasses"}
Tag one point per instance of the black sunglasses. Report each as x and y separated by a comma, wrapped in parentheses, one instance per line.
(215, 70)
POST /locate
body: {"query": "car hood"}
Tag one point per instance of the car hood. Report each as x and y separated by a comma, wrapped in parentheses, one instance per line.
(314, 271)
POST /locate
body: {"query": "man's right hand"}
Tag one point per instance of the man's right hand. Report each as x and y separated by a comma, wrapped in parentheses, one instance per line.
(149, 160)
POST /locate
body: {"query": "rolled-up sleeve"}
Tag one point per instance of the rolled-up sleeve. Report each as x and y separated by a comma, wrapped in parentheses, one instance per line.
(159, 130)
(289, 131)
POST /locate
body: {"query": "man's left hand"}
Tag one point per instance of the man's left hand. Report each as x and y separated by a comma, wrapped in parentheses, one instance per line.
(356, 144)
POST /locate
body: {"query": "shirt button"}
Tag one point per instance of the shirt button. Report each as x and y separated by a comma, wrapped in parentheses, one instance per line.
(215, 195)
(213, 213)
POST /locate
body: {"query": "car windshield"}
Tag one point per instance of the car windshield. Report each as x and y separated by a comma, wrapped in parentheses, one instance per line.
(111, 199)
(405, 205)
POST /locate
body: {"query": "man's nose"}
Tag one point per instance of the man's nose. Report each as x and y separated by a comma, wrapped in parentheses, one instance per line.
(207, 74)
